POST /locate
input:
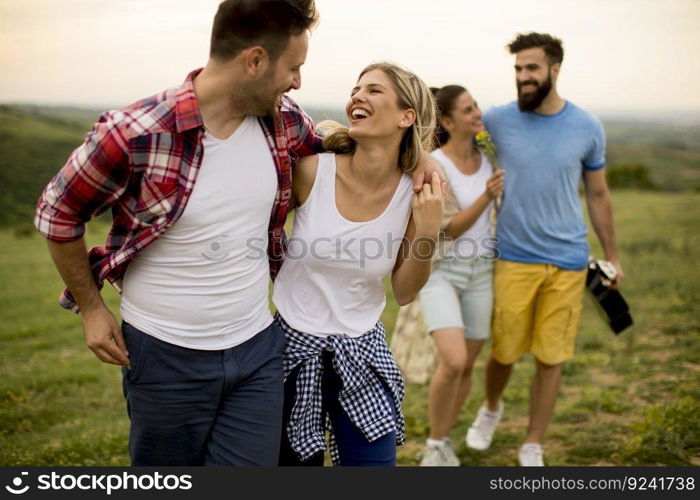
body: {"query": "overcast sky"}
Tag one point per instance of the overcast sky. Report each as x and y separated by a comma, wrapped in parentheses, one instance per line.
(627, 55)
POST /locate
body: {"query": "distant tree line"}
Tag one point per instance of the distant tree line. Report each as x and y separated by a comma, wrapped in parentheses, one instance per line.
(630, 176)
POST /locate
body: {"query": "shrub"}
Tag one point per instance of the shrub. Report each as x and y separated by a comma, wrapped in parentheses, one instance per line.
(632, 175)
(668, 434)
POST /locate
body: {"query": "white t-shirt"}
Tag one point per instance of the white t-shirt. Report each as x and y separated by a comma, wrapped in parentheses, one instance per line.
(331, 279)
(467, 188)
(204, 283)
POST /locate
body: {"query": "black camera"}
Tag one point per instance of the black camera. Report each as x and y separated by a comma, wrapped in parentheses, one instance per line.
(613, 307)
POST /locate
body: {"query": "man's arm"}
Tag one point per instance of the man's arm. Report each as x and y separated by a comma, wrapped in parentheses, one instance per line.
(601, 213)
(102, 332)
(423, 173)
(92, 180)
(299, 130)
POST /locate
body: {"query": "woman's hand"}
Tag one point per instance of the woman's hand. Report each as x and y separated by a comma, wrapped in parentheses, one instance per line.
(427, 208)
(494, 186)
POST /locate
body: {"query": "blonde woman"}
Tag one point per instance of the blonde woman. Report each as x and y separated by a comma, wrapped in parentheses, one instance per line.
(457, 300)
(357, 220)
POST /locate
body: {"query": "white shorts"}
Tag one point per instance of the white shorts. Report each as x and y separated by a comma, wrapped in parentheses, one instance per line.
(459, 294)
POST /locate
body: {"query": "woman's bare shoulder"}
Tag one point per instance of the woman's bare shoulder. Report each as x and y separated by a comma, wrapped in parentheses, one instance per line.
(303, 178)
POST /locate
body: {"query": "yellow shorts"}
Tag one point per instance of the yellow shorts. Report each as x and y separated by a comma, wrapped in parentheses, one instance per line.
(537, 308)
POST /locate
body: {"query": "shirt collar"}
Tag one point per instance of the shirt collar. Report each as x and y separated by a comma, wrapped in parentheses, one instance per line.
(187, 115)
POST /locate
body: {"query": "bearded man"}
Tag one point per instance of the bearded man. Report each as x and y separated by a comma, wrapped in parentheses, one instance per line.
(547, 145)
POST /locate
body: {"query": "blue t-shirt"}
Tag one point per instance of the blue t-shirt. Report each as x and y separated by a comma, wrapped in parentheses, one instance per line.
(541, 219)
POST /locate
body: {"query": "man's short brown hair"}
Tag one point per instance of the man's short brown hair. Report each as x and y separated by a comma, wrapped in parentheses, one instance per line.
(240, 24)
(552, 46)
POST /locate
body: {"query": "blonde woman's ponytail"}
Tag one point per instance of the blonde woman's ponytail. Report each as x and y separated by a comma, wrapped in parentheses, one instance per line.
(336, 137)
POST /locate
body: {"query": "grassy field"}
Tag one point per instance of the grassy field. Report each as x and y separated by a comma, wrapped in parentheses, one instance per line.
(632, 399)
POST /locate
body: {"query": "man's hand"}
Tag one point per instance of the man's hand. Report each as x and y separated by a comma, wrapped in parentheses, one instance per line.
(102, 332)
(423, 174)
(620, 275)
(104, 336)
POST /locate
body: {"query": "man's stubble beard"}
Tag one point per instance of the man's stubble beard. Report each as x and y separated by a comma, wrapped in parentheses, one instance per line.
(257, 97)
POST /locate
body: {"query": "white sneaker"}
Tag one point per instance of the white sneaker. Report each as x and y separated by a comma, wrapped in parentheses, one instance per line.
(440, 456)
(530, 455)
(480, 434)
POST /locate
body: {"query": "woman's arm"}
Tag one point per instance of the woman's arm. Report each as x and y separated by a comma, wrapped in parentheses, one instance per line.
(467, 217)
(414, 261)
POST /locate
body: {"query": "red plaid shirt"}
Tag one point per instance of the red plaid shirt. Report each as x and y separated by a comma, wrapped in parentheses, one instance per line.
(142, 162)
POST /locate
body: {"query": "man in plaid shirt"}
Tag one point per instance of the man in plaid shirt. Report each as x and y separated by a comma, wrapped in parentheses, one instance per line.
(198, 181)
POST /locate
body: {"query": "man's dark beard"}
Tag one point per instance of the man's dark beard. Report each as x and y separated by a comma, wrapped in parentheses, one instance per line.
(532, 100)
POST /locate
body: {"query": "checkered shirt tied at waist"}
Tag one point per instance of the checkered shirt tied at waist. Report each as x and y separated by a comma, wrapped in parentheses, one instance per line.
(362, 364)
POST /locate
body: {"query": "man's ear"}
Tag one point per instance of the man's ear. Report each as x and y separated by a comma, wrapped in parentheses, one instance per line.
(409, 116)
(255, 61)
(554, 70)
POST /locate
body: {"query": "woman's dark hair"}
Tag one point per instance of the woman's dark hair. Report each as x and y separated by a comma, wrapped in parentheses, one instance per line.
(240, 24)
(445, 99)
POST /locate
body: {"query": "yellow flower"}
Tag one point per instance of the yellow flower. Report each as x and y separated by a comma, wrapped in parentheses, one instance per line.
(484, 141)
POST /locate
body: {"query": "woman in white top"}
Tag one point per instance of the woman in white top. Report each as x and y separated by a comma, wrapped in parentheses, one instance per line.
(357, 220)
(457, 300)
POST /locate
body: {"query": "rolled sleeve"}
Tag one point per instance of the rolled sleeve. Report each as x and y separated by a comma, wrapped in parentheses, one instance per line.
(93, 179)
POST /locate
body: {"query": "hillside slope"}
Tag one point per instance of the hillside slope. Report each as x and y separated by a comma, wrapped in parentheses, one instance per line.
(33, 147)
(35, 142)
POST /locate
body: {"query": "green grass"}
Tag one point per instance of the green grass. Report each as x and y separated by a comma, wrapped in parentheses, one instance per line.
(631, 399)
(58, 404)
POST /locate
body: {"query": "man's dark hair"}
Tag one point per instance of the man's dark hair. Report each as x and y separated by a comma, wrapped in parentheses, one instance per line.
(552, 46)
(240, 24)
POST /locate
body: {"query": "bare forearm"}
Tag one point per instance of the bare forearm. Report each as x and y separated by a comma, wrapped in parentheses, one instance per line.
(71, 260)
(414, 272)
(102, 333)
(467, 217)
(601, 213)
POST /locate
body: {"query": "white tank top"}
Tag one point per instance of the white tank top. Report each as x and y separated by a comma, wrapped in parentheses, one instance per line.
(467, 188)
(331, 279)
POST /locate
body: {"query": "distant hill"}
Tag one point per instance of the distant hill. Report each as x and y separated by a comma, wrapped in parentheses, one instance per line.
(33, 146)
(671, 151)
(35, 142)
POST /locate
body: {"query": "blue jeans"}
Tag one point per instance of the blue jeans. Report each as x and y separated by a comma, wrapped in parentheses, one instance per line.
(353, 446)
(194, 407)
